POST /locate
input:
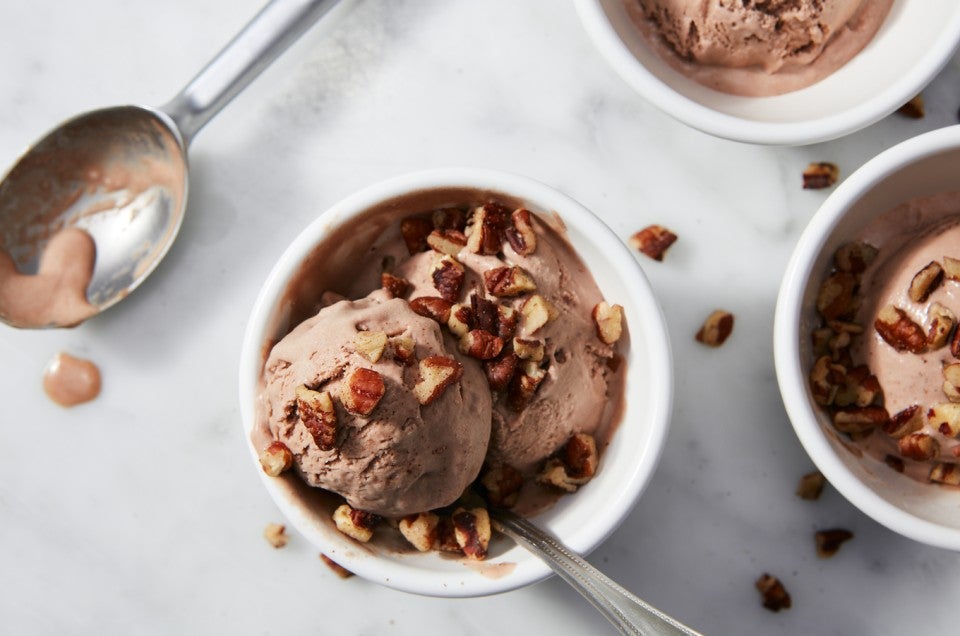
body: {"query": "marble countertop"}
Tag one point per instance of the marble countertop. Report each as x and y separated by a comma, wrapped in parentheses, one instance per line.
(141, 512)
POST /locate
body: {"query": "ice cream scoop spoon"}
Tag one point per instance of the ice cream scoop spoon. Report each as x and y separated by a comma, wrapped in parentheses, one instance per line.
(117, 179)
(629, 614)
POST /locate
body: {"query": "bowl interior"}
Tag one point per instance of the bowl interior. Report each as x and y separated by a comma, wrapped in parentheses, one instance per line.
(885, 74)
(582, 520)
(932, 166)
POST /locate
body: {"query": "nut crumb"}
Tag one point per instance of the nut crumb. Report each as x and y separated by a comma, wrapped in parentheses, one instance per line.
(276, 458)
(811, 486)
(716, 328)
(820, 175)
(276, 534)
(913, 109)
(829, 541)
(774, 595)
(653, 241)
(338, 569)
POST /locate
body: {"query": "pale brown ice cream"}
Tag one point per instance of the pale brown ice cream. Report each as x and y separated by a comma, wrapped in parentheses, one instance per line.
(403, 457)
(758, 47)
(908, 356)
(484, 423)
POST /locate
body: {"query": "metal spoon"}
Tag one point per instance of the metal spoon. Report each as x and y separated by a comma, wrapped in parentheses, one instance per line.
(120, 173)
(629, 614)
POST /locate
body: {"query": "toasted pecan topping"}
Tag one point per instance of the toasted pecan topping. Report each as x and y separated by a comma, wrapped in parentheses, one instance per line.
(653, 240)
(820, 175)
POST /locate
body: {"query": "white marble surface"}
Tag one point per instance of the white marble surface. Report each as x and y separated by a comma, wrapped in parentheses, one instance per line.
(141, 512)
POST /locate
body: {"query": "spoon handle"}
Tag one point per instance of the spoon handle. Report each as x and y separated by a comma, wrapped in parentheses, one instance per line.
(264, 38)
(629, 614)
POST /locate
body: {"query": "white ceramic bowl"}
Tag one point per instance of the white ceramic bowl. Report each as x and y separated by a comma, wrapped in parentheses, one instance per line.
(915, 42)
(583, 520)
(922, 166)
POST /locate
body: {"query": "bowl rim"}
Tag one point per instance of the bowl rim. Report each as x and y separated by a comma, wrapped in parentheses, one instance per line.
(694, 114)
(787, 320)
(572, 213)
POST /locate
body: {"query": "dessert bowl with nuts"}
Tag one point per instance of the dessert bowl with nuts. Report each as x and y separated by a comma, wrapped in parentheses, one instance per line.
(441, 344)
(866, 339)
(660, 49)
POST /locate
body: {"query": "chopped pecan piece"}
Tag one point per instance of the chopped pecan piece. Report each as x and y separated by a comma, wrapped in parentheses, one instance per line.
(357, 524)
(945, 418)
(945, 473)
(894, 462)
(396, 286)
(485, 314)
(855, 257)
(580, 456)
(414, 231)
(403, 348)
(716, 328)
(276, 458)
(432, 307)
(448, 242)
(899, 331)
(653, 241)
(436, 374)
(955, 344)
(520, 233)
(507, 319)
(825, 380)
(502, 483)
(772, 592)
(919, 447)
(461, 319)
(811, 485)
(951, 268)
(480, 344)
(859, 388)
(500, 370)
(486, 229)
(820, 175)
(276, 534)
(942, 322)
(338, 569)
(447, 536)
(449, 219)
(525, 384)
(370, 344)
(527, 349)
(925, 282)
(535, 313)
(508, 281)
(361, 391)
(609, 322)
(914, 108)
(860, 419)
(951, 381)
(835, 298)
(447, 275)
(829, 541)
(316, 413)
(904, 422)
(472, 530)
(420, 530)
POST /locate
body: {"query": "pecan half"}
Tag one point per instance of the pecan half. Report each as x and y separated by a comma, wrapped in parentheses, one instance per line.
(432, 307)
(436, 374)
(899, 331)
(361, 391)
(520, 233)
(925, 282)
(447, 275)
(653, 241)
(508, 281)
(820, 175)
(276, 458)
(316, 413)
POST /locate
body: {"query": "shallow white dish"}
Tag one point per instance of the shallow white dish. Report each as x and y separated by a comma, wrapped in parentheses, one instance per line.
(916, 40)
(583, 520)
(921, 166)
